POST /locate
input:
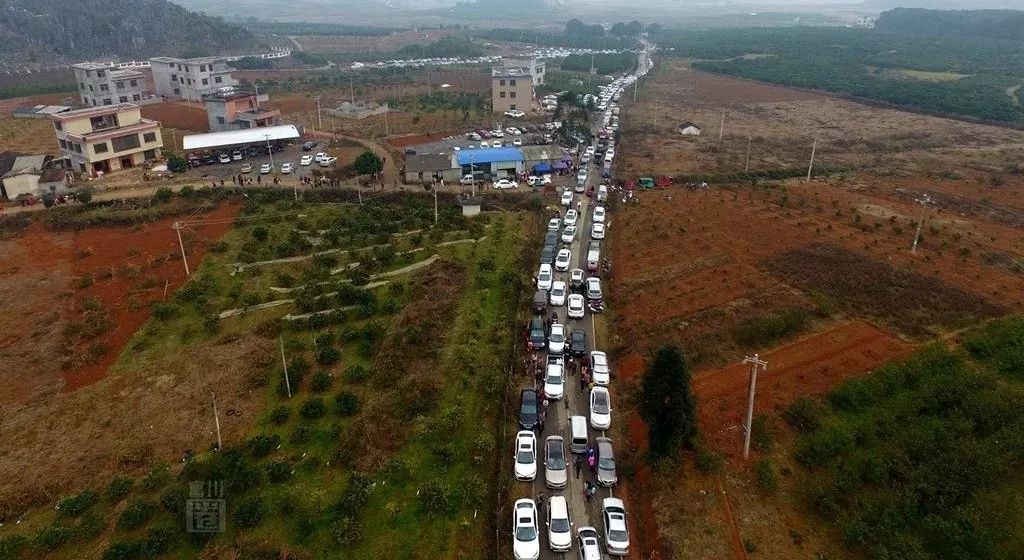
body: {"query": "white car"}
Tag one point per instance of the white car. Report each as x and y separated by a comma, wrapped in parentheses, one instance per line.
(577, 306)
(473, 136)
(545, 277)
(497, 134)
(581, 176)
(597, 230)
(585, 158)
(467, 180)
(556, 339)
(600, 408)
(513, 131)
(562, 260)
(526, 455)
(592, 288)
(319, 156)
(515, 114)
(567, 198)
(571, 215)
(287, 167)
(306, 160)
(236, 155)
(517, 142)
(576, 278)
(538, 180)
(554, 380)
(554, 224)
(504, 184)
(557, 295)
(616, 535)
(568, 234)
(224, 158)
(556, 468)
(599, 215)
(484, 144)
(525, 534)
(265, 168)
(328, 161)
(589, 543)
(599, 368)
(559, 526)
(246, 168)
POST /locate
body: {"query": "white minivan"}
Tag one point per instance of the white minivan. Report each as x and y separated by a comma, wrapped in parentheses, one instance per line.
(578, 434)
(544, 277)
(602, 193)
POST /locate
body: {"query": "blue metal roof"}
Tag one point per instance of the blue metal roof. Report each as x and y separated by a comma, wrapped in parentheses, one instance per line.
(489, 155)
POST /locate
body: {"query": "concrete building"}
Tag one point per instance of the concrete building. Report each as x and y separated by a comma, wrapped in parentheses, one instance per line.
(688, 129)
(497, 162)
(511, 88)
(535, 66)
(236, 109)
(99, 140)
(103, 83)
(425, 168)
(190, 78)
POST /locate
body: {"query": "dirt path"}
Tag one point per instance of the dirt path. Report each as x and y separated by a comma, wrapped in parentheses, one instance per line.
(390, 155)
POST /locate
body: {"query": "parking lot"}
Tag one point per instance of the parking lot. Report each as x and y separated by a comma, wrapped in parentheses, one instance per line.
(290, 153)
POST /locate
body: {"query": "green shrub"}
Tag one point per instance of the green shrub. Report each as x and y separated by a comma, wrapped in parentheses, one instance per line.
(347, 532)
(435, 496)
(804, 414)
(262, 445)
(249, 512)
(761, 433)
(118, 488)
(328, 355)
(124, 550)
(356, 373)
(279, 415)
(708, 460)
(52, 537)
(163, 311)
(346, 403)
(313, 408)
(78, 504)
(766, 475)
(769, 329)
(278, 471)
(157, 477)
(173, 499)
(260, 233)
(11, 546)
(163, 194)
(137, 512)
(321, 382)
(1000, 345)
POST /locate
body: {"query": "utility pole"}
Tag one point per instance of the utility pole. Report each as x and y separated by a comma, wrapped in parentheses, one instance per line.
(435, 206)
(287, 382)
(387, 131)
(270, 151)
(636, 84)
(754, 362)
(351, 89)
(810, 167)
(216, 421)
(746, 166)
(924, 201)
(319, 121)
(184, 259)
(721, 129)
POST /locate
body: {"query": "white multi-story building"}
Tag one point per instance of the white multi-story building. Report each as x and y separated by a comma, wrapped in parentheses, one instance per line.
(190, 78)
(103, 83)
(534, 66)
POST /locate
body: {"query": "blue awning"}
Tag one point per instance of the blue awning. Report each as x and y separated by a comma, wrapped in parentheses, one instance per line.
(542, 168)
(488, 155)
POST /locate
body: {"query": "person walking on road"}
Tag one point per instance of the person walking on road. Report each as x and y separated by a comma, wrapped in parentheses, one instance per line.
(583, 383)
(579, 465)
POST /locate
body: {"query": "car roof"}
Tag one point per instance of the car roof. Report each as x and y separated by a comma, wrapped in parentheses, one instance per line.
(612, 503)
(529, 393)
(559, 507)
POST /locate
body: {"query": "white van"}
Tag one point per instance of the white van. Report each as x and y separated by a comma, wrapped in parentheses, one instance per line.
(602, 193)
(578, 434)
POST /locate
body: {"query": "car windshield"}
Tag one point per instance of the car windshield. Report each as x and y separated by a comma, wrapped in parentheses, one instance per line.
(545, 276)
(555, 377)
(557, 292)
(525, 533)
(556, 460)
(560, 525)
(525, 456)
(601, 403)
(557, 337)
(617, 536)
(606, 463)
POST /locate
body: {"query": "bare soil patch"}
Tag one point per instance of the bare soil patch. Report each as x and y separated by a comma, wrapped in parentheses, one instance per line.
(27, 136)
(180, 115)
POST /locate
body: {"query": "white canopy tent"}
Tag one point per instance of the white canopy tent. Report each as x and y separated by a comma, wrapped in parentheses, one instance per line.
(240, 137)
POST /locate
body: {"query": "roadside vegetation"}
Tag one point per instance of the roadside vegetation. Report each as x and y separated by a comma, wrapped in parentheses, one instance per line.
(396, 342)
(921, 459)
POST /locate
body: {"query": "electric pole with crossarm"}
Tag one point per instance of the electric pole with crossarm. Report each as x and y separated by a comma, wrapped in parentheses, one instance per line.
(755, 362)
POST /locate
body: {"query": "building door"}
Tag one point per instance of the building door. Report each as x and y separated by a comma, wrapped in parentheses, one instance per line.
(126, 162)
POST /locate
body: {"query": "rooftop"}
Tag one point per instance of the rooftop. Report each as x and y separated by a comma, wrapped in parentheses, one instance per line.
(228, 93)
(94, 111)
(489, 155)
(173, 60)
(510, 72)
(238, 137)
(427, 162)
(109, 66)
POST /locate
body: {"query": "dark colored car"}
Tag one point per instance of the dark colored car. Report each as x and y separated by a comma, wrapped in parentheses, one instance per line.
(540, 302)
(547, 256)
(528, 409)
(578, 343)
(308, 146)
(551, 238)
(209, 158)
(538, 336)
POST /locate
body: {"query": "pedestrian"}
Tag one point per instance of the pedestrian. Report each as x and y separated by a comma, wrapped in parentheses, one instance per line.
(529, 346)
(222, 183)
(579, 465)
(540, 505)
(583, 384)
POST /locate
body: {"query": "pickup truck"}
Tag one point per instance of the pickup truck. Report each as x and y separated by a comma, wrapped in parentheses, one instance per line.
(594, 256)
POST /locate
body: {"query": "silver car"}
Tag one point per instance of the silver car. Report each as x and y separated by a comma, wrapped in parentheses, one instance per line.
(556, 469)
(605, 462)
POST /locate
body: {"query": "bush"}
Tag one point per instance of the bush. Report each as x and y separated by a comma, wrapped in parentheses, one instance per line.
(435, 496)
(761, 433)
(260, 233)
(84, 195)
(118, 488)
(279, 415)
(137, 512)
(804, 415)
(163, 311)
(278, 471)
(78, 504)
(249, 512)
(347, 532)
(327, 355)
(52, 537)
(263, 444)
(321, 382)
(667, 403)
(176, 163)
(313, 408)
(708, 460)
(346, 403)
(766, 475)
(356, 373)
(769, 329)
(163, 194)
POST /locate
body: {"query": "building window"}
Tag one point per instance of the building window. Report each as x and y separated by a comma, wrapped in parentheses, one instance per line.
(81, 86)
(136, 97)
(119, 84)
(106, 101)
(501, 94)
(123, 99)
(512, 94)
(149, 155)
(57, 125)
(149, 137)
(63, 144)
(126, 142)
(217, 80)
(512, 107)
(177, 91)
(206, 81)
(76, 147)
(220, 120)
(512, 83)
(133, 83)
(100, 73)
(90, 87)
(501, 82)
(174, 77)
(202, 68)
(100, 148)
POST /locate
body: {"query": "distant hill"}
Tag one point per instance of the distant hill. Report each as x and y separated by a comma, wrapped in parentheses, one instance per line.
(994, 24)
(72, 30)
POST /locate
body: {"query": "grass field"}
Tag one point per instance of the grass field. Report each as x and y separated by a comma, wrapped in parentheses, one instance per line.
(396, 336)
(28, 136)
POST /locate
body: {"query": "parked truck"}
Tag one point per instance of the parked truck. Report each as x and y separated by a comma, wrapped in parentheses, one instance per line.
(594, 256)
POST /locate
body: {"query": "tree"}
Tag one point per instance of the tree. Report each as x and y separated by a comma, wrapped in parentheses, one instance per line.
(368, 163)
(84, 195)
(666, 402)
(176, 163)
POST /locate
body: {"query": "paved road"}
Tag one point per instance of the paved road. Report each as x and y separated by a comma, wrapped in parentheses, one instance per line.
(576, 402)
